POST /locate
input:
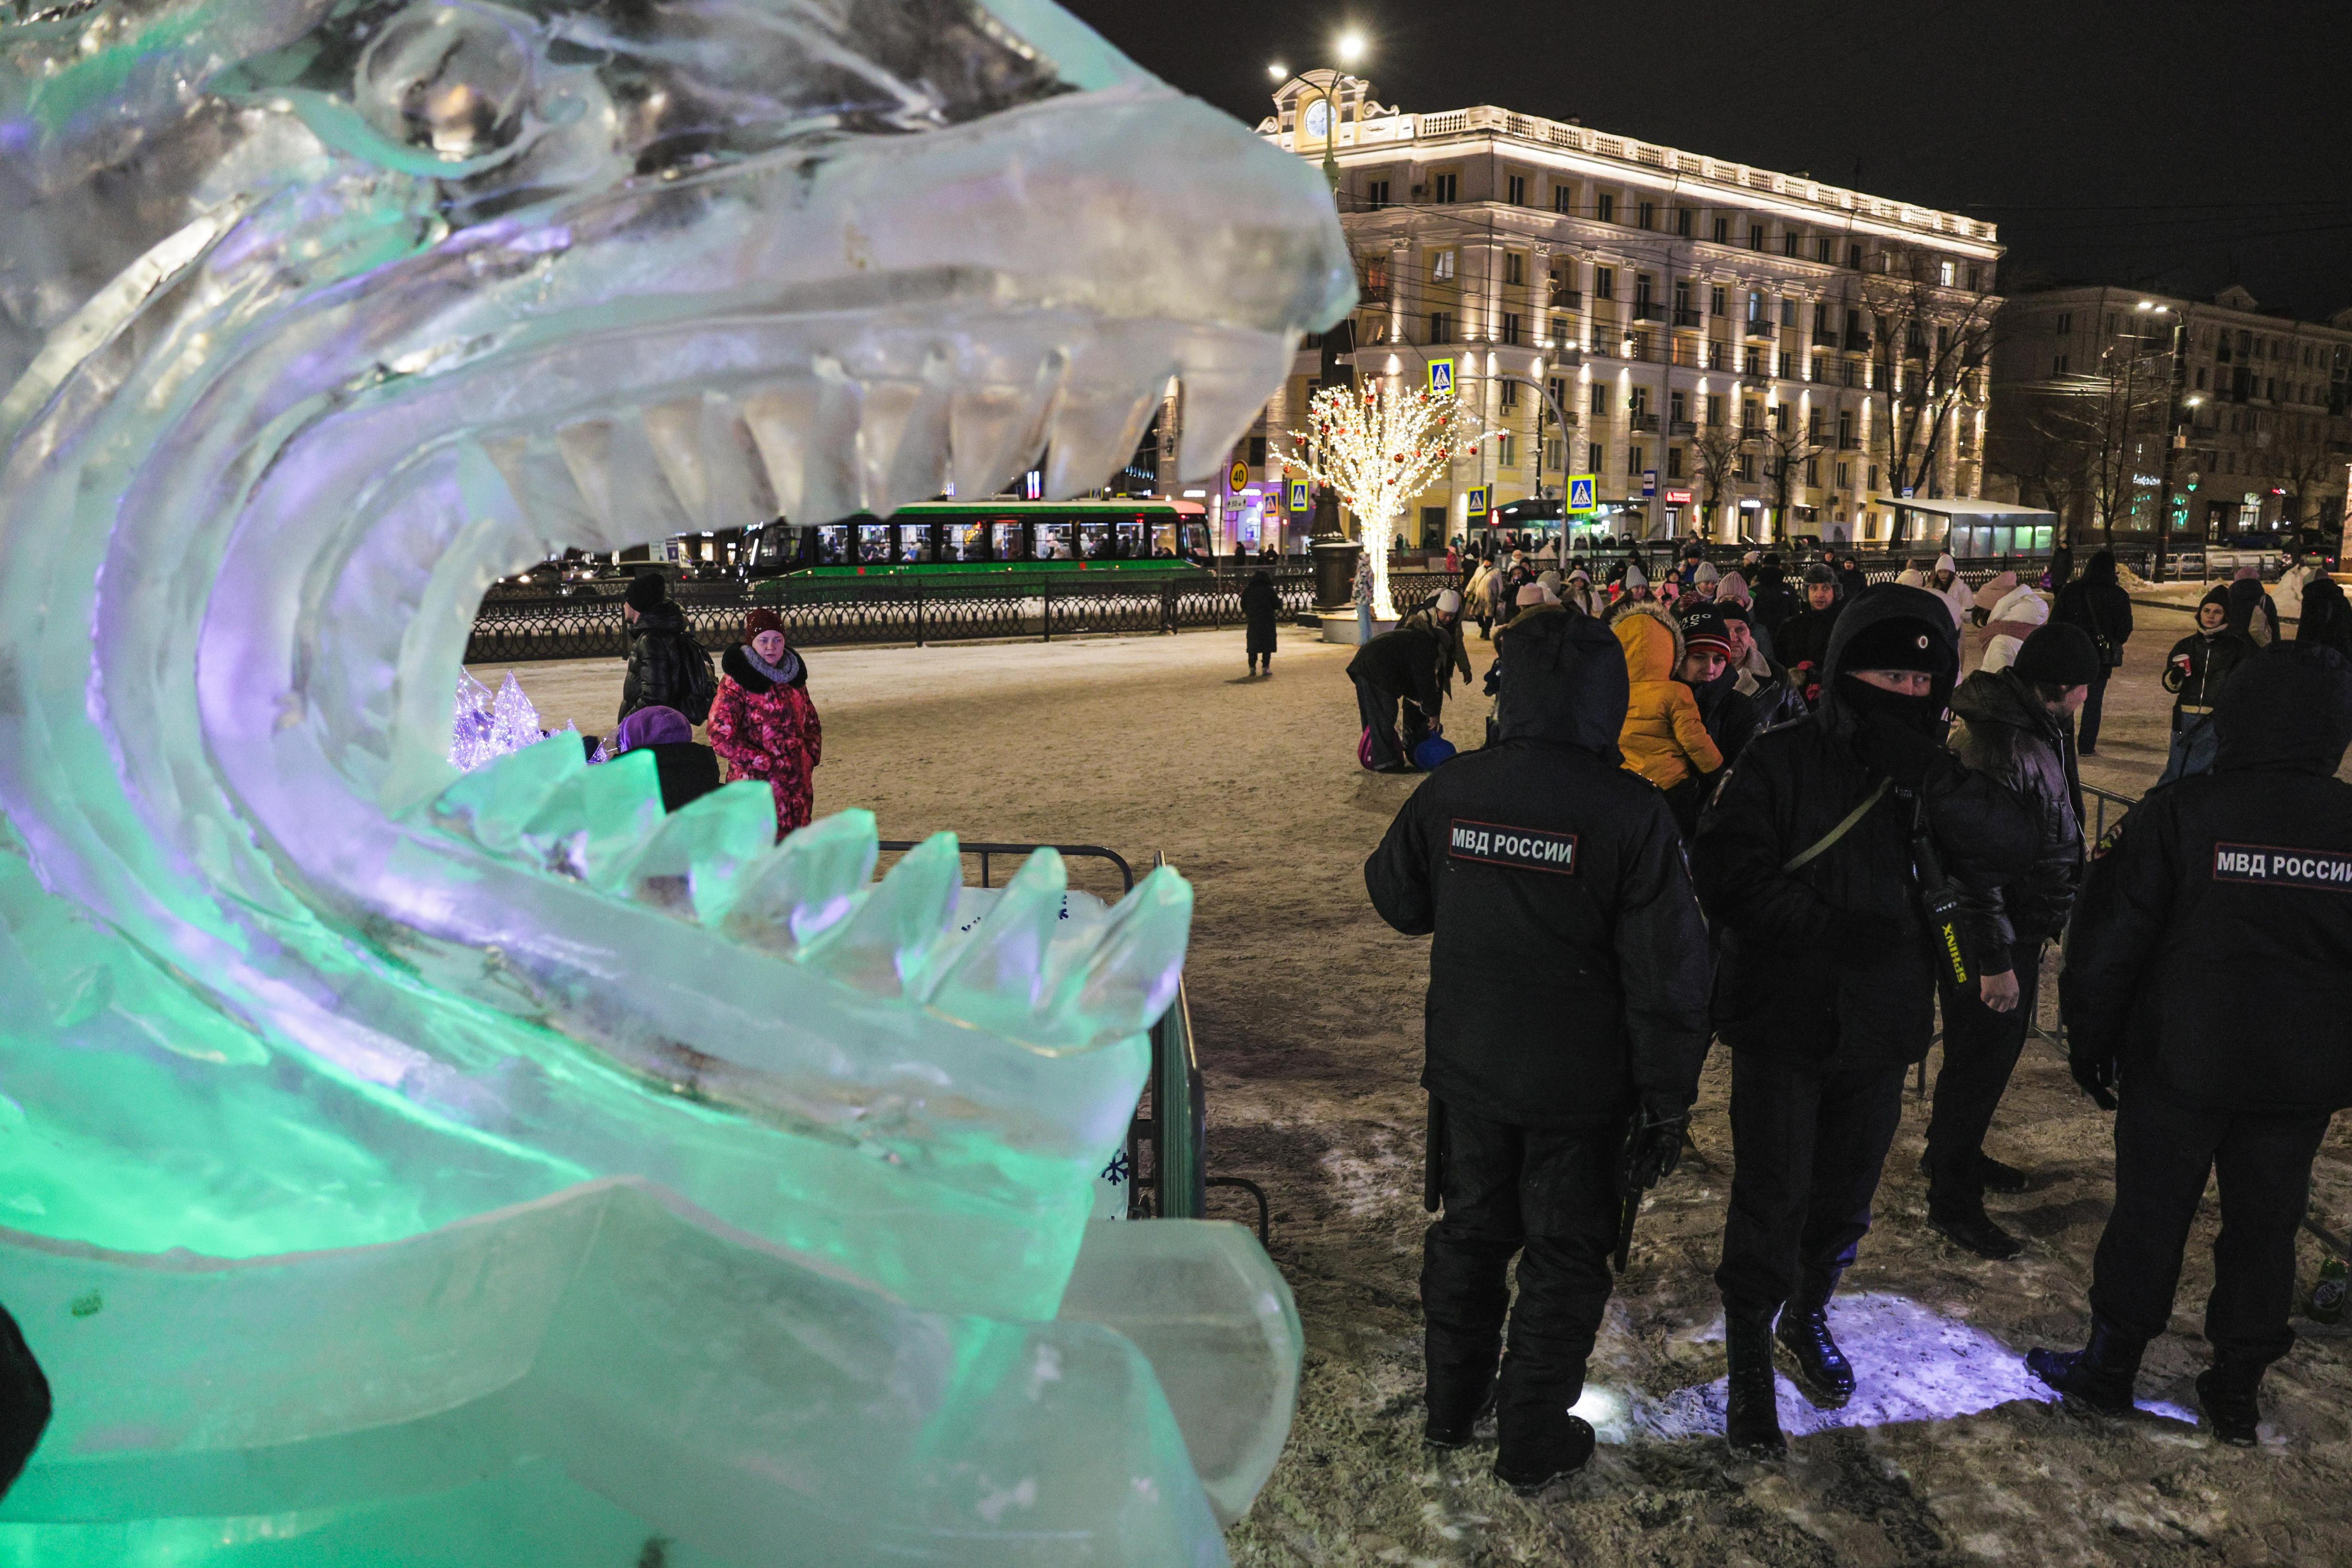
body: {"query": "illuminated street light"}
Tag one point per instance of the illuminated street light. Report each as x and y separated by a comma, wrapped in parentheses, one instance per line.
(1278, 71)
(1351, 47)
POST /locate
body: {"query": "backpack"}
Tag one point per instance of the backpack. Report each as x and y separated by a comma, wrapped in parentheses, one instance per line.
(701, 684)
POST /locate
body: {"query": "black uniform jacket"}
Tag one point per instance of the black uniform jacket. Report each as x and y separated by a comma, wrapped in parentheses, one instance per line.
(2212, 946)
(2007, 735)
(1403, 664)
(1830, 963)
(1540, 858)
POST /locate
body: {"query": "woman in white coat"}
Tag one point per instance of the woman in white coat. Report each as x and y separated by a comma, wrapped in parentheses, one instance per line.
(2008, 623)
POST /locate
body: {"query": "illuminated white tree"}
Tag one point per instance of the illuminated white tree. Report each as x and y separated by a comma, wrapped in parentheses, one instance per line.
(1379, 448)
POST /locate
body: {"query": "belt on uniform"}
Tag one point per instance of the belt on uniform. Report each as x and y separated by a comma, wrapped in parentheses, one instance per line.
(2193, 707)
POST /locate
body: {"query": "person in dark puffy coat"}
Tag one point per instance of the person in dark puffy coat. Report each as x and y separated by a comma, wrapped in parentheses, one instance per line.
(2199, 667)
(1825, 980)
(2326, 619)
(666, 667)
(1260, 606)
(1802, 641)
(2097, 603)
(1537, 856)
(2245, 870)
(1396, 674)
(763, 723)
(1730, 716)
(2013, 730)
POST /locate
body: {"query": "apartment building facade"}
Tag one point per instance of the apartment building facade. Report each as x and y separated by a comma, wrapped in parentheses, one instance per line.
(1783, 354)
(2111, 405)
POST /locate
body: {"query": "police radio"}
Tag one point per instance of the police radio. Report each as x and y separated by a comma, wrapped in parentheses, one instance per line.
(1939, 899)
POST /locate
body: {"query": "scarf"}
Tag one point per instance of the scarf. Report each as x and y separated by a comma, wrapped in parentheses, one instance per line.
(781, 674)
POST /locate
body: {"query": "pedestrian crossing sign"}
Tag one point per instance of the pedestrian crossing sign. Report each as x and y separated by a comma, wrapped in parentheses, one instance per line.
(1478, 501)
(1441, 377)
(1580, 491)
(1298, 495)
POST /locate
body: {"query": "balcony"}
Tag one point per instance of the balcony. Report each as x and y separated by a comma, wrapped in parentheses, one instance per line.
(1371, 292)
(1762, 329)
(1568, 299)
(1857, 342)
(1684, 317)
(1849, 443)
(1825, 337)
(1648, 310)
(1646, 423)
(1682, 427)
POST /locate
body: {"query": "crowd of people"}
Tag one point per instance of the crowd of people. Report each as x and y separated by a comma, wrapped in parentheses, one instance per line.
(754, 708)
(1722, 806)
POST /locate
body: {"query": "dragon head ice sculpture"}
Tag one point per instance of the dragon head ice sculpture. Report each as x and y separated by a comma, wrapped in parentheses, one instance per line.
(395, 1157)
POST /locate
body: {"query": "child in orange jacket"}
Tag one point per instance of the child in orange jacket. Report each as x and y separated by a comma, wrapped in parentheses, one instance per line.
(1663, 738)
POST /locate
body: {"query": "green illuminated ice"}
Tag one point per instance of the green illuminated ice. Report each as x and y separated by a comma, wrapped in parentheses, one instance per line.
(400, 1166)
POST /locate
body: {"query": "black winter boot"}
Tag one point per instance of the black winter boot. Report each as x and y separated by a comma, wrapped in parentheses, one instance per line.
(1966, 1224)
(1820, 1365)
(1532, 1455)
(2100, 1375)
(1751, 1425)
(2226, 1392)
(1450, 1419)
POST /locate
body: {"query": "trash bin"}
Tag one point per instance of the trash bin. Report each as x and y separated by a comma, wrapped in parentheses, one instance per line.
(1335, 573)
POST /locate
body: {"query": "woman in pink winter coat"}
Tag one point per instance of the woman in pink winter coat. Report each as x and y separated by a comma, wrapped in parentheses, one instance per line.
(763, 723)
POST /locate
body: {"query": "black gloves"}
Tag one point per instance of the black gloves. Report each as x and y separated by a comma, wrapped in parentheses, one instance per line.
(2097, 1077)
(1653, 1147)
(1898, 750)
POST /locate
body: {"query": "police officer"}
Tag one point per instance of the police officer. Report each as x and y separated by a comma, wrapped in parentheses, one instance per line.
(1825, 982)
(2243, 871)
(1539, 856)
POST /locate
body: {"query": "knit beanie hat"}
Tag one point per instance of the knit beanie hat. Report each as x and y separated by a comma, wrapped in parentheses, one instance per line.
(2216, 594)
(1897, 642)
(1449, 602)
(1817, 572)
(1705, 629)
(2059, 654)
(761, 620)
(646, 589)
(1706, 573)
(1635, 578)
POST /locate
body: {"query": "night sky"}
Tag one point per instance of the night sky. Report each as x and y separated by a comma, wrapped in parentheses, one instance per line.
(2163, 145)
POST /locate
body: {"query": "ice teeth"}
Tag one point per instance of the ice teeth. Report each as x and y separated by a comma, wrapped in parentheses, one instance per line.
(675, 432)
(882, 946)
(640, 495)
(495, 803)
(1092, 434)
(707, 458)
(806, 885)
(902, 443)
(541, 483)
(1227, 379)
(586, 446)
(1126, 982)
(591, 826)
(781, 419)
(807, 436)
(997, 982)
(695, 860)
(993, 432)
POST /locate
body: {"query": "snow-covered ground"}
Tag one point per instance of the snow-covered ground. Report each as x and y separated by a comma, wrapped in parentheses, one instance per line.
(1309, 1012)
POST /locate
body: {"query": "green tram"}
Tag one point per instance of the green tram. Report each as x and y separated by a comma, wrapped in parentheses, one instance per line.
(947, 539)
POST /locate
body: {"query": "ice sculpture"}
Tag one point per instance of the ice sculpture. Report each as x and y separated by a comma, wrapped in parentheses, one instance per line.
(402, 1165)
(484, 727)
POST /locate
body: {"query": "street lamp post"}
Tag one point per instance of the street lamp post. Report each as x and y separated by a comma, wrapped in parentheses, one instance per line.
(2172, 440)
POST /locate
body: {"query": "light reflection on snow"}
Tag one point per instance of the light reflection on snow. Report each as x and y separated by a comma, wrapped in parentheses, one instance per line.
(1911, 1363)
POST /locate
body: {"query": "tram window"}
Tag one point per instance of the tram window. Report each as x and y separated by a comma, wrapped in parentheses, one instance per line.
(1163, 541)
(832, 544)
(914, 542)
(1196, 537)
(1129, 545)
(1004, 541)
(1053, 541)
(1094, 540)
(873, 544)
(963, 541)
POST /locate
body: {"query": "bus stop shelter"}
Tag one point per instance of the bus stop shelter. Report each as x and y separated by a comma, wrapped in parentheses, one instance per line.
(1976, 530)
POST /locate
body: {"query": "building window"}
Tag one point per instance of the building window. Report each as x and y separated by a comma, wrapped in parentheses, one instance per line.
(1751, 416)
(1788, 312)
(1714, 408)
(1514, 190)
(1713, 354)
(1503, 450)
(1645, 216)
(1745, 467)
(1563, 199)
(1604, 207)
(1376, 194)
(1751, 362)
(1554, 453)
(2058, 368)
(1677, 406)
(1596, 458)
(1975, 280)
(1719, 301)
(1948, 273)
(1441, 265)
(1597, 399)
(1756, 236)
(1822, 248)
(1674, 462)
(1788, 245)
(2065, 324)
(1683, 221)
(1780, 418)
(1845, 476)
(1558, 330)
(1442, 188)
(1854, 258)
(1604, 283)
(2200, 373)
(1440, 327)
(1510, 330)
(1756, 306)
(1510, 392)
(1634, 460)
(1514, 266)
(1813, 424)
(1873, 476)
(1723, 231)
(1813, 472)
